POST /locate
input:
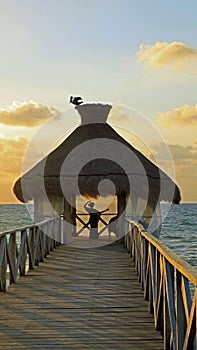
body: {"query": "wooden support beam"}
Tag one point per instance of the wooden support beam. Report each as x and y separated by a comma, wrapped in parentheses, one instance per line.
(121, 208)
(68, 222)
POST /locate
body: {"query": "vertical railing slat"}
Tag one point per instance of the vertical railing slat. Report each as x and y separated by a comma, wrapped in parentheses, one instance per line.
(11, 256)
(181, 323)
(22, 253)
(166, 319)
(30, 247)
(190, 336)
(24, 248)
(169, 298)
(3, 263)
(169, 278)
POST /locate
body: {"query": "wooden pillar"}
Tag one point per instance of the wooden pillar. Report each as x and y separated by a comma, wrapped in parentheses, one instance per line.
(121, 208)
(155, 223)
(58, 205)
(134, 200)
(73, 213)
(69, 221)
(58, 210)
(38, 209)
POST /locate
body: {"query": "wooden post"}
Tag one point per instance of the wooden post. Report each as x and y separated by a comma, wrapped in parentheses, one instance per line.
(31, 248)
(12, 258)
(37, 214)
(121, 207)
(73, 214)
(134, 200)
(58, 205)
(181, 323)
(68, 222)
(3, 263)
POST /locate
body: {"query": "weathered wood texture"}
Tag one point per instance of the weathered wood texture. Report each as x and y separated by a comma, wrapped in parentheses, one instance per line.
(24, 248)
(170, 286)
(78, 299)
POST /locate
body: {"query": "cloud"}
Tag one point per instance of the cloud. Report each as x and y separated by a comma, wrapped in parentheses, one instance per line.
(185, 164)
(28, 114)
(12, 152)
(186, 175)
(185, 115)
(11, 157)
(174, 55)
(183, 152)
(185, 160)
(117, 115)
(178, 151)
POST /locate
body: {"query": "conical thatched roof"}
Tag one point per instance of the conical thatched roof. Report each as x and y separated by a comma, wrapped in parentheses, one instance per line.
(94, 152)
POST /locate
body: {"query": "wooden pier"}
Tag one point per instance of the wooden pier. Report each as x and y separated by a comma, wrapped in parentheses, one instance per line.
(87, 299)
(92, 298)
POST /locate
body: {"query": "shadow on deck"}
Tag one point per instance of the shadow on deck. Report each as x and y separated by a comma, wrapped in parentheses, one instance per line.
(78, 299)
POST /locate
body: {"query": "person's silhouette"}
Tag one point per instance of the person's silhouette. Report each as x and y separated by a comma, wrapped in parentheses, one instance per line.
(93, 219)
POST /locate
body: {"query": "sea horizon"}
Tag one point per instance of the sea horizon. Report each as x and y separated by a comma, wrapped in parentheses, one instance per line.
(178, 229)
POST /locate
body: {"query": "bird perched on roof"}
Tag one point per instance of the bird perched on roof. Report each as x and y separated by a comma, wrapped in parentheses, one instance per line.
(76, 100)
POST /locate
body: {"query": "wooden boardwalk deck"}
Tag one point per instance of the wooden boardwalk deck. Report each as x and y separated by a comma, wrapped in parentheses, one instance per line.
(78, 299)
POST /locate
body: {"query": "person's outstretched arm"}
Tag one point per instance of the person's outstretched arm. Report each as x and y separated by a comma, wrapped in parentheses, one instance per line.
(86, 207)
(103, 211)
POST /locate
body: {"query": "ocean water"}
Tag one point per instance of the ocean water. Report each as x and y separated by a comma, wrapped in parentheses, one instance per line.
(179, 229)
(14, 216)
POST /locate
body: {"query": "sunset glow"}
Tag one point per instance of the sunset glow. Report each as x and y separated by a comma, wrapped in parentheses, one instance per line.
(138, 54)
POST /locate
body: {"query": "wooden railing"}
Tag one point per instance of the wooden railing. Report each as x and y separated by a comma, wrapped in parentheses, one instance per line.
(24, 248)
(169, 284)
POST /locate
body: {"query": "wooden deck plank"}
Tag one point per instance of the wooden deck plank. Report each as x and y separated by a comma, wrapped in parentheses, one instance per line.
(78, 299)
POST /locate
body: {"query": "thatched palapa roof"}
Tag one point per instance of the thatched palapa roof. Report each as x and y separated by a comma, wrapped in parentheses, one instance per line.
(95, 152)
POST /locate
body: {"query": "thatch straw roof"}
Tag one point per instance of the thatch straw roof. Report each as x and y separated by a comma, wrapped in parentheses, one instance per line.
(94, 152)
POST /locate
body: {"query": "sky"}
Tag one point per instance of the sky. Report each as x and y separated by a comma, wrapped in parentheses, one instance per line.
(136, 53)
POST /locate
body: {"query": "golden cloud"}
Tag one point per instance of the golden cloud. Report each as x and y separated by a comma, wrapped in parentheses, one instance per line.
(12, 152)
(11, 157)
(186, 175)
(183, 152)
(174, 55)
(117, 115)
(185, 163)
(26, 114)
(178, 151)
(185, 115)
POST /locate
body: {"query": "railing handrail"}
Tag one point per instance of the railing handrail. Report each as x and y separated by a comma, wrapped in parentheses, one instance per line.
(25, 247)
(169, 284)
(22, 228)
(179, 263)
